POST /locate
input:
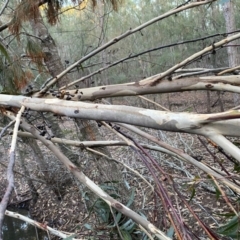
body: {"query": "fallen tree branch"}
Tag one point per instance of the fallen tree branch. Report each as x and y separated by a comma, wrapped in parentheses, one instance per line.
(117, 39)
(38, 224)
(10, 173)
(183, 156)
(86, 144)
(90, 184)
(213, 83)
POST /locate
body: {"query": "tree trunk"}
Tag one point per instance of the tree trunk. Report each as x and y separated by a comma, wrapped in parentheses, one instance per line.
(232, 51)
(105, 171)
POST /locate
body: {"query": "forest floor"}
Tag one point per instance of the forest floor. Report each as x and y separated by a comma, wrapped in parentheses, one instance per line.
(68, 210)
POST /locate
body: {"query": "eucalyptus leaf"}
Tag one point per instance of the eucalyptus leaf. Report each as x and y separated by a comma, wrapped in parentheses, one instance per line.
(87, 226)
(170, 232)
(231, 229)
(224, 1)
(126, 235)
(70, 237)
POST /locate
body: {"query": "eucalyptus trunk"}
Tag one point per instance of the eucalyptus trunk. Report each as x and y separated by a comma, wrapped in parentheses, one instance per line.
(232, 51)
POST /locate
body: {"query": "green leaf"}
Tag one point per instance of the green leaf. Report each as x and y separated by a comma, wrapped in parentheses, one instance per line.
(192, 194)
(113, 181)
(127, 184)
(227, 215)
(81, 67)
(117, 219)
(237, 167)
(130, 227)
(85, 196)
(224, 1)
(126, 235)
(114, 195)
(88, 226)
(231, 228)
(131, 198)
(70, 237)
(145, 237)
(107, 187)
(218, 193)
(170, 232)
(126, 225)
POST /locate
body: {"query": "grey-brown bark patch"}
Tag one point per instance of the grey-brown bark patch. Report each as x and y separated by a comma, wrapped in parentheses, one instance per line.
(118, 205)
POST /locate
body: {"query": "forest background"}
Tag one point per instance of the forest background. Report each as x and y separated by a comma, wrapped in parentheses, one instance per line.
(90, 146)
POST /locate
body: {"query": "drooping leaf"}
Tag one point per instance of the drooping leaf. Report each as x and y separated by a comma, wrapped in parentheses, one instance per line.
(231, 229)
(126, 235)
(128, 226)
(192, 194)
(131, 199)
(126, 184)
(70, 237)
(170, 232)
(88, 226)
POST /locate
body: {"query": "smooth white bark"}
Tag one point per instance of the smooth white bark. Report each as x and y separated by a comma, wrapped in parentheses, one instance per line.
(226, 123)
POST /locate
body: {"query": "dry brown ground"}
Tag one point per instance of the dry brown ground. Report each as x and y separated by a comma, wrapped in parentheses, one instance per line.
(70, 212)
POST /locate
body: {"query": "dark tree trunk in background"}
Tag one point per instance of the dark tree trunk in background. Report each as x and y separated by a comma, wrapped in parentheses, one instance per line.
(104, 170)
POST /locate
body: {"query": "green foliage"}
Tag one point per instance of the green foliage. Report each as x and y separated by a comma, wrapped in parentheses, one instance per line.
(114, 220)
(237, 167)
(193, 192)
(70, 237)
(231, 229)
(170, 232)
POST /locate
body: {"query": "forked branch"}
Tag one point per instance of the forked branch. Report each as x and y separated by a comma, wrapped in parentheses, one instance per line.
(90, 184)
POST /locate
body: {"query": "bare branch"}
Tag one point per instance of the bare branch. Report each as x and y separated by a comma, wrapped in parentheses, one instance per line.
(117, 39)
(229, 70)
(37, 224)
(88, 144)
(10, 173)
(213, 83)
(157, 78)
(90, 184)
(180, 154)
(4, 6)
